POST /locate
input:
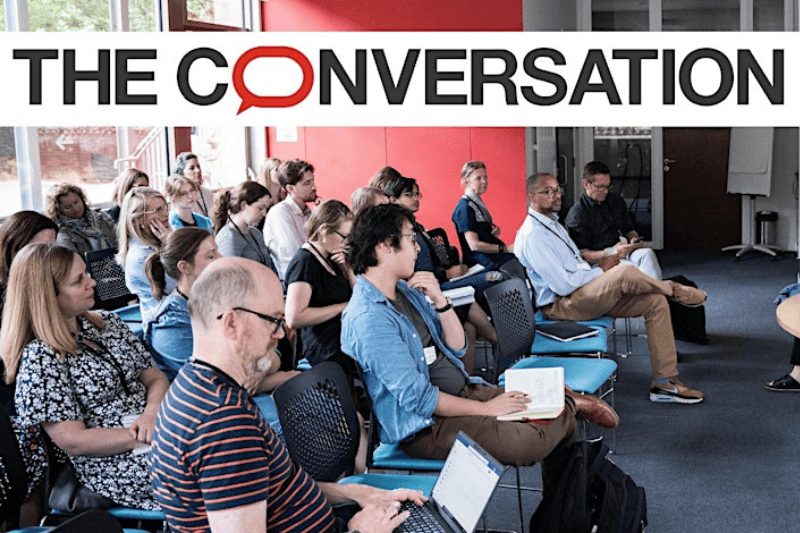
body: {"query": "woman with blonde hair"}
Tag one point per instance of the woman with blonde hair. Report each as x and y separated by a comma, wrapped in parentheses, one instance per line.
(236, 216)
(182, 192)
(83, 376)
(143, 224)
(79, 228)
(127, 180)
(268, 177)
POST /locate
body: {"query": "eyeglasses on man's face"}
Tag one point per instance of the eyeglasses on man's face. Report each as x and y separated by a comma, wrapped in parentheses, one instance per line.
(600, 187)
(551, 193)
(413, 194)
(277, 321)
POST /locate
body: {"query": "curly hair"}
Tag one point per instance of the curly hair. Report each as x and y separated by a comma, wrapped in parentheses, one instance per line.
(54, 195)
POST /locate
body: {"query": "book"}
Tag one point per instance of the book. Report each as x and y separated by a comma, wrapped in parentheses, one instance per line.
(474, 269)
(565, 331)
(545, 390)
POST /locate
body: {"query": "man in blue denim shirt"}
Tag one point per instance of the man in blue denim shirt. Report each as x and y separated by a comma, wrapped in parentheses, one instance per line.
(409, 352)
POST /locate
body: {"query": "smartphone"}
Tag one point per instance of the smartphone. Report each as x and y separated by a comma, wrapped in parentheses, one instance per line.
(637, 240)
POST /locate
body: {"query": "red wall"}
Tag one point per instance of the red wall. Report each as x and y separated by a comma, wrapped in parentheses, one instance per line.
(345, 158)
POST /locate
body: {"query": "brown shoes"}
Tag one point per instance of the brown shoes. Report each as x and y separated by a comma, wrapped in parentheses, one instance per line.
(594, 410)
(688, 296)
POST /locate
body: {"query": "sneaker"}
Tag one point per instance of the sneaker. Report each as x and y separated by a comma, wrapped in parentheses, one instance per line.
(673, 391)
(688, 296)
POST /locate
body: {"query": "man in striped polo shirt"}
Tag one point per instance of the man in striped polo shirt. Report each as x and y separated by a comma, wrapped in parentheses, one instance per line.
(216, 464)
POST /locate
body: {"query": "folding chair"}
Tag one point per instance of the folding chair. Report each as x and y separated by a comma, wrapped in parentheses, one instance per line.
(322, 433)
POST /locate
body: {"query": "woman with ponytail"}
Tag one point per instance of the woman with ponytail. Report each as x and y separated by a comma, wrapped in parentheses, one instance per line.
(237, 213)
(183, 256)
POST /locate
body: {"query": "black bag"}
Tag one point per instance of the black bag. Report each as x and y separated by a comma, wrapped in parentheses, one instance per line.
(69, 495)
(688, 323)
(592, 493)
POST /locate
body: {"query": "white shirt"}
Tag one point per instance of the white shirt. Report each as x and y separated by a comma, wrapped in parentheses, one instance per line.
(284, 233)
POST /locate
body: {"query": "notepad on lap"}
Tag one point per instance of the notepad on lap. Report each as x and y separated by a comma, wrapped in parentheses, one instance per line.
(565, 331)
(545, 390)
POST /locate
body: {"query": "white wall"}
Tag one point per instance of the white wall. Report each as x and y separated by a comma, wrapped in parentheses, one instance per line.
(783, 193)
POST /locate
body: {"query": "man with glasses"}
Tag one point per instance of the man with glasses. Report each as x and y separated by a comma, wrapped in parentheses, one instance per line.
(569, 288)
(600, 224)
(410, 350)
(216, 465)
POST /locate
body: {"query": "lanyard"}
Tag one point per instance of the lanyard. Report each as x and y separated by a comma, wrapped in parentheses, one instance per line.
(213, 368)
(328, 262)
(548, 228)
(247, 242)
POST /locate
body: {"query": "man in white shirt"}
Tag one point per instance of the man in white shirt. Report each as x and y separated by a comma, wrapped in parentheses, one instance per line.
(569, 288)
(284, 231)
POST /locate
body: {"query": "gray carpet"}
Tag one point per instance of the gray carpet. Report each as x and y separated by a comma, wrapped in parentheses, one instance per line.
(730, 463)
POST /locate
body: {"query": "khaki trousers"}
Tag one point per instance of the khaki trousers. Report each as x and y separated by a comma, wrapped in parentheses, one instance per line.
(624, 291)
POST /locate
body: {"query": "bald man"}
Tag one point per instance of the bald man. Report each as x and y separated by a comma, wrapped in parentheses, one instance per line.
(569, 288)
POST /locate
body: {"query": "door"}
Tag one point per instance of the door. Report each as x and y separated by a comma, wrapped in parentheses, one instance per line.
(698, 212)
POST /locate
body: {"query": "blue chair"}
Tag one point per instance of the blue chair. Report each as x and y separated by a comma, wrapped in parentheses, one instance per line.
(132, 316)
(515, 323)
(322, 432)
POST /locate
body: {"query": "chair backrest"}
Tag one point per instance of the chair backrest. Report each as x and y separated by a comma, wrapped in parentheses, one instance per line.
(513, 319)
(448, 255)
(319, 421)
(110, 292)
(13, 478)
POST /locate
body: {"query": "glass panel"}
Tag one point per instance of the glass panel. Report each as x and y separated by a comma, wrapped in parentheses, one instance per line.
(83, 156)
(626, 152)
(68, 15)
(9, 181)
(700, 15)
(620, 15)
(222, 153)
(768, 15)
(226, 12)
(142, 15)
(3, 26)
(147, 149)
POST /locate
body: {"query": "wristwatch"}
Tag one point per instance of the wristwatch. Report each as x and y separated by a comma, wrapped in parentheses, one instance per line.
(501, 248)
(446, 307)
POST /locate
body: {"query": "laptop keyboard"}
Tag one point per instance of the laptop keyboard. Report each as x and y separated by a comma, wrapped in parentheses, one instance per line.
(420, 521)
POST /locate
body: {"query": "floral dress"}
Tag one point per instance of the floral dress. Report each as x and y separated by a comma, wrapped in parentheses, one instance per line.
(99, 387)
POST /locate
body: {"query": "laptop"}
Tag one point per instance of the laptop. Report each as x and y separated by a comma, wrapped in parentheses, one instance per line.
(461, 493)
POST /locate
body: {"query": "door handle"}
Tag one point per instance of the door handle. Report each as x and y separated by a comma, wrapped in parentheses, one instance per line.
(667, 163)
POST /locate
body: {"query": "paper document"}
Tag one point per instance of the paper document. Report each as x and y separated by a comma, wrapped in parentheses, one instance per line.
(545, 390)
(474, 269)
(459, 296)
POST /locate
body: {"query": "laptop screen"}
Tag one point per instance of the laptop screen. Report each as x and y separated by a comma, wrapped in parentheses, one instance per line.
(466, 482)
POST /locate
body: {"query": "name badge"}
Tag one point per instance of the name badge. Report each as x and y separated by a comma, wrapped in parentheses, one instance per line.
(584, 266)
(430, 355)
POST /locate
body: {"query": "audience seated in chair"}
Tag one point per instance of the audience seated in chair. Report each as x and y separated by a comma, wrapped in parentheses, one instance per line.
(569, 288)
(209, 429)
(188, 165)
(82, 375)
(143, 225)
(284, 231)
(127, 180)
(81, 229)
(182, 193)
(236, 215)
(405, 191)
(409, 351)
(477, 234)
(601, 225)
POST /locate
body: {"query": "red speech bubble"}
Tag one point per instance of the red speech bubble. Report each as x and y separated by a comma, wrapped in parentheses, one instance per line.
(249, 99)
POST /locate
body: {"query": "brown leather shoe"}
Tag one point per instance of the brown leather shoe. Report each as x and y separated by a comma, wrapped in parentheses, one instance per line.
(594, 410)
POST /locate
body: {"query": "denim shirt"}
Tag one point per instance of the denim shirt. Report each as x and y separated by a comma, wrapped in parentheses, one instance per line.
(386, 346)
(136, 280)
(169, 335)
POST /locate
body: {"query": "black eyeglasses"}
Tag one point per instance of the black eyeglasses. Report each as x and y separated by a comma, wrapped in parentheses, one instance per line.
(277, 321)
(340, 234)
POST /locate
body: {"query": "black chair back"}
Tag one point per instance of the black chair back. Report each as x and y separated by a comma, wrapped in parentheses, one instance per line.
(13, 478)
(319, 421)
(513, 319)
(110, 292)
(447, 254)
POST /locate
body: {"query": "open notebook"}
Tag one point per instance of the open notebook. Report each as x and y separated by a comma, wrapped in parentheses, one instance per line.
(462, 491)
(544, 387)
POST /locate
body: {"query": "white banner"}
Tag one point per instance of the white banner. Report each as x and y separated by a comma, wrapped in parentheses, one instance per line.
(400, 79)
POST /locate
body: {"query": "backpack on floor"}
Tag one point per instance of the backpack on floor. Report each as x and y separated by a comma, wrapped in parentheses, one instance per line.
(688, 323)
(593, 495)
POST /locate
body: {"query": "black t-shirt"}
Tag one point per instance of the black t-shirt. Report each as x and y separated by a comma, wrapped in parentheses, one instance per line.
(321, 341)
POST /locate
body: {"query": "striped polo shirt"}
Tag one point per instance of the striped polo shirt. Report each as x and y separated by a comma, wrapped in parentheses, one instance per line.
(212, 450)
